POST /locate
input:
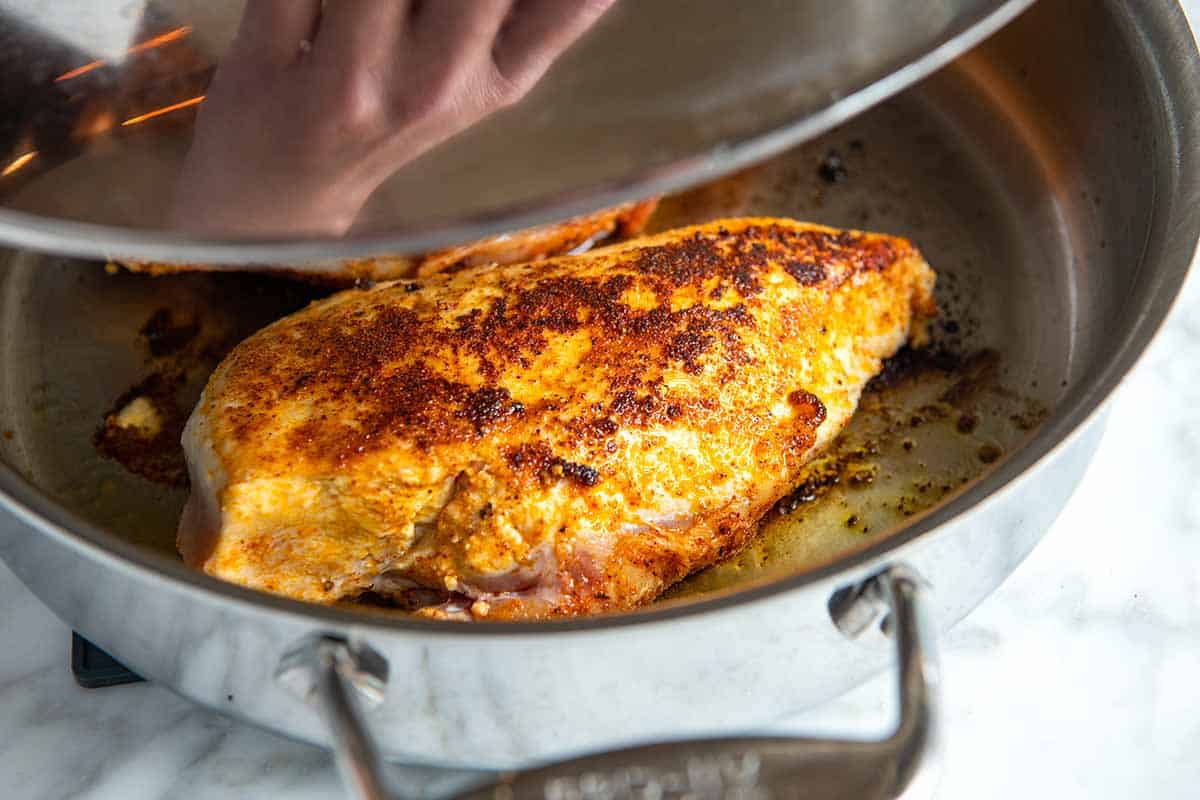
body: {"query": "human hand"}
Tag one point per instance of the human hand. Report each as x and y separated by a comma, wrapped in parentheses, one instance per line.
(316, 104)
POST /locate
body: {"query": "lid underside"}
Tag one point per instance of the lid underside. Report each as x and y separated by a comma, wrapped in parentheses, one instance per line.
(99, 100)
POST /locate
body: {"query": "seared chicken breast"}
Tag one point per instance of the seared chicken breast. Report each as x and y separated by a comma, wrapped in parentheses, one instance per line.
(542, 440)
(530, 244)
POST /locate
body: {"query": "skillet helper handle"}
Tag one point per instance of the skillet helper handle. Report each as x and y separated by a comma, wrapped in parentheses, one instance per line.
(337, 677)
(899, 765)
(760, 768)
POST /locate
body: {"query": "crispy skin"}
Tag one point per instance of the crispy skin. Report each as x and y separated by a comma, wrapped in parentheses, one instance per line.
(530, 244)
(542, 440)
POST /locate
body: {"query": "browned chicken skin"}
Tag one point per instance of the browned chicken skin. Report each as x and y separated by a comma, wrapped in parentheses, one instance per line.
(530, 244)
(556, 439)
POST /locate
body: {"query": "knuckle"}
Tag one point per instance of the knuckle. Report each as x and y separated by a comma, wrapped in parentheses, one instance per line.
(361, 102)
(506, 89)
(439, 99)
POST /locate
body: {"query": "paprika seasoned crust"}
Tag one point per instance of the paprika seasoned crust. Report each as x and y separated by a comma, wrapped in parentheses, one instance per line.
(542, 440)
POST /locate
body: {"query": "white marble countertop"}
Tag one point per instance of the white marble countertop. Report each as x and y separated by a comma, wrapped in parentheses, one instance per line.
(1077, 678)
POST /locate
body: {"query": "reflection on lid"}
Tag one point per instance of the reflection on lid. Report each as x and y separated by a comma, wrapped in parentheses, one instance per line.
(75, 73)
(64, 108)
(17, 163)
(140, 47)
(158, 112)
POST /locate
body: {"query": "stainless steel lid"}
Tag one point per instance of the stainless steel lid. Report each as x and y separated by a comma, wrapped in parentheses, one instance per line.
(342, 128)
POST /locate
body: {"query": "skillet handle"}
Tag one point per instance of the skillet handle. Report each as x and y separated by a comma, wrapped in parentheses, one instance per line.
(336, 676)
(760, 768)
(899, 765)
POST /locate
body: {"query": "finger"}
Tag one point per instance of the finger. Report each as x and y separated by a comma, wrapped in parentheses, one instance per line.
(274, 29)
(458, 30)
(360, 30)
(538, 31)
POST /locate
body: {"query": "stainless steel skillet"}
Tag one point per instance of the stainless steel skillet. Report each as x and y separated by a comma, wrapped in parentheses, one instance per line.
(1050, 176)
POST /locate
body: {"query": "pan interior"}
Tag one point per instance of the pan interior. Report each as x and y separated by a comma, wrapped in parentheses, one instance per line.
(955, 164)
